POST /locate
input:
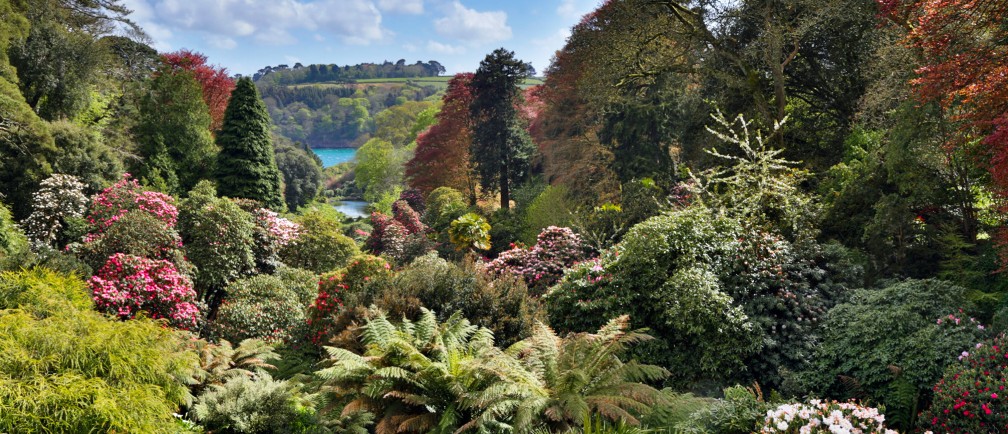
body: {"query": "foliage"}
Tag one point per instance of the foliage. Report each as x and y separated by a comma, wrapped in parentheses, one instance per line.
(601, 227)
(401, 237)
(24, 142)
(223, 362)
(320, 245)
(740, 412)
(302, 175)
(664, 275)
(246, 166)
(585, 374)
(444, 205)
(442, 152)
(898, 337)
(970, 396)
(470, 231)
(12, 240)
(824, 417)
(173, 132)
(256, 404)
(135, 233)
(415, 199)
(379, 168)
(341, 293)
(271, 233)
(267, 307)
(501, 147)
(58, 199)
(452, 367)
(549, 208)
(83, 152)
(129, 284)
(759, 187)
(543, 265)
(70, 369)
(214, 81)
(218, 238)
(499, 303)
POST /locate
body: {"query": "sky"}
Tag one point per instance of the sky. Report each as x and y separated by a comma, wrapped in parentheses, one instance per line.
(246, 35)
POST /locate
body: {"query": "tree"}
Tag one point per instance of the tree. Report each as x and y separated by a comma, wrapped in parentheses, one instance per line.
(245, 166)
(173, 132)
(302, 175)
(501, 147)
(442, 158)
(214, 80)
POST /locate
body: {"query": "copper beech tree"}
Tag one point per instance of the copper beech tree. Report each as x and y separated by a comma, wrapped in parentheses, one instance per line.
(214, 81)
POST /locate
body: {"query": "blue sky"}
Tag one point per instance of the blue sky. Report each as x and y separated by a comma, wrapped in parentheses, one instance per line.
(245, 35)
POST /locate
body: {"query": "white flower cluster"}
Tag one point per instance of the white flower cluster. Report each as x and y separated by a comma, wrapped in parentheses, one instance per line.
(58, 198)
(824, 417)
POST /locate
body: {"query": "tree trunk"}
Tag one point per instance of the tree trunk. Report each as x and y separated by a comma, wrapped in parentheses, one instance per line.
(505, 193)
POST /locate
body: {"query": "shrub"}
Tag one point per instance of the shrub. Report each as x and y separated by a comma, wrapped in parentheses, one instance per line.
(444, 205)
(401, 238)
(135, 233)
(271, 234)
(891, 345)
(664, 274)
(67, 368)
(740, 412)
(12, 240)
(341, 292)
(415, 199)
(320, 245)
(267, 307)
(254, 405)
(126, 195)
(499, 303)
(58, 199)
(82, 152)
(971, 396)
(470, 231)
(129, 284)
(218, 239)
(600, 227)
(824, 417)
(543, 265)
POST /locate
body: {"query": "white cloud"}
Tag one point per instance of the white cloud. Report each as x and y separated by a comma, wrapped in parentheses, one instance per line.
(469, 25)
(402, 6)
(268, 21)
(409, 47)
(575, 9)
(222, 42)
(437, 47)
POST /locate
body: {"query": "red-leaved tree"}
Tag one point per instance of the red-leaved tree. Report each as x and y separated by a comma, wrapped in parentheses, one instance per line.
(214, 80)
(442, 152)
(963, 46)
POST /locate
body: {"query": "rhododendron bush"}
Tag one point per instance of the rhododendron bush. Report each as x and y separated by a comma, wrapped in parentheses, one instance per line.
(401, 237)
(129, 284)
(127, 195)
(971, 397)
(818, 416)
(59, 198)
(543, 265)
(356, 285)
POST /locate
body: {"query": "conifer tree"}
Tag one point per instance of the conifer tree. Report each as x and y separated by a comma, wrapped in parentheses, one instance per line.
(246, 167)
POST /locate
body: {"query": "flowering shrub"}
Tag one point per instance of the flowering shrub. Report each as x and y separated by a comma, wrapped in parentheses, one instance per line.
(128, 284)
(134, 233)
(824, 417)
(112, 203)
(401, 238)
(280, 230)
(59, 198)
(971, 397)
(543, 265)
(357, 284)
(409, 218)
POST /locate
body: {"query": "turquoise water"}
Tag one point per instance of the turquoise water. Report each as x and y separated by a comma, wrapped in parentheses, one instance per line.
(353, 208)
(332, 157)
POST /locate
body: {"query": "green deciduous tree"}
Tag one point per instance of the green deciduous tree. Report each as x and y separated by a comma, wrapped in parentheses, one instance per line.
(246, 166)
(501, 147)
(173, 132)
(302, 175)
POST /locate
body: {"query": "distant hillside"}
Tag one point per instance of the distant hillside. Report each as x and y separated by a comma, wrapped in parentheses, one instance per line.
(318, 73)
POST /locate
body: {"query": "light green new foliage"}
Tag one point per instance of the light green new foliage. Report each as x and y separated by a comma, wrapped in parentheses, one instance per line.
(470, 231)
(66, 368)
(320, 245)
(439, 378)
(218, 237)
(246, 166)
(549, 208)
(12, 240)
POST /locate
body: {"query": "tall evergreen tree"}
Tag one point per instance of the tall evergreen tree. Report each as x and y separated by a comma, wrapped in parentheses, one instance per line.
(501, 148)
(246, 166)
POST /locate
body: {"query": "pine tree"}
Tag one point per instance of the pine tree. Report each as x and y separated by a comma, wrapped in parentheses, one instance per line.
(245, 166)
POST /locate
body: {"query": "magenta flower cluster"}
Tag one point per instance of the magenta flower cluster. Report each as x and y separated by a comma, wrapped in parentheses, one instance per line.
(556, 249)
(128, 284)
(127, 195)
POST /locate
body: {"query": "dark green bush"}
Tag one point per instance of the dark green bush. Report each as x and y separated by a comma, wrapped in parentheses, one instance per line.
(267, 307)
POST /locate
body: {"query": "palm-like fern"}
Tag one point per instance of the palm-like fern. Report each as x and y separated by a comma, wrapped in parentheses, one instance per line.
(584, 374)
(427, 377)
(222, 362)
